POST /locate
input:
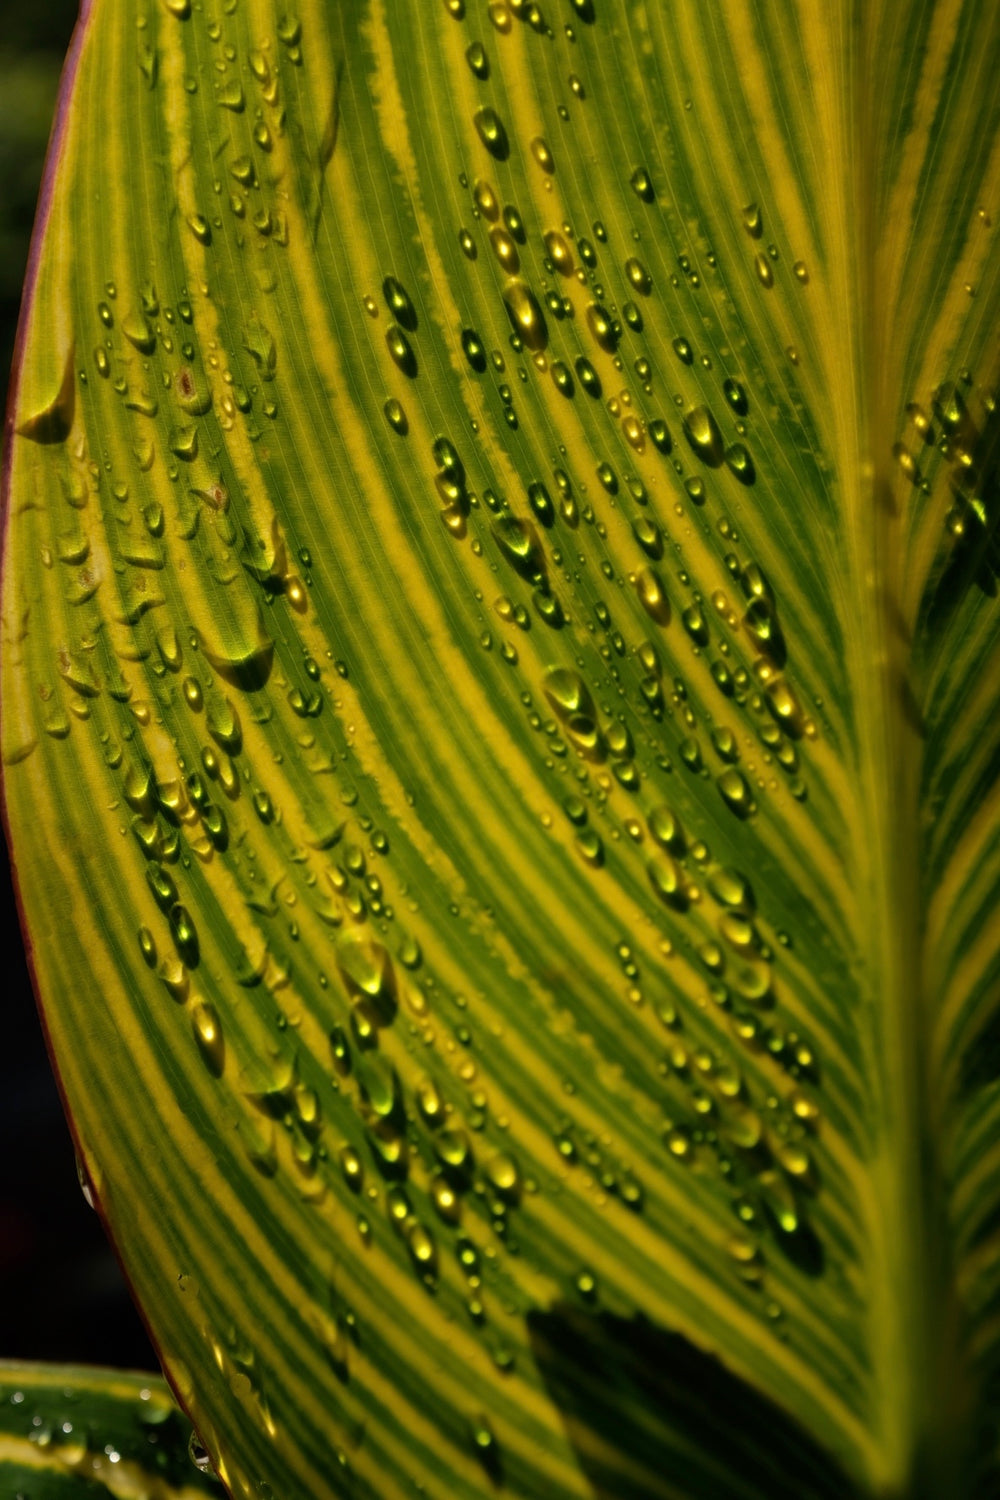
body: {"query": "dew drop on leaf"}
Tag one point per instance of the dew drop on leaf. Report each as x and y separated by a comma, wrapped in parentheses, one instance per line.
(525, 314)
(492, 132)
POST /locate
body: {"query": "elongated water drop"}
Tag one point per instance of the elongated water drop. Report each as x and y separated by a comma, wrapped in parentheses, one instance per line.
(505, 249)
(525, 314)
(208, 1034)
(602, 326)
(543, 156)
(396, 416)
(485, 200)
(739, 463)
(763, 268)
(638, 276)
(642, 185)
(702, 432)
(401, 350)
(475, 56)
(399, 303)
(736, 792)
(559, 252)
(491, 131)
(652, 595)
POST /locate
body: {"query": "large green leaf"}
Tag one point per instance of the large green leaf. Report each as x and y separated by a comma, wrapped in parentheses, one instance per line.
(501, 732)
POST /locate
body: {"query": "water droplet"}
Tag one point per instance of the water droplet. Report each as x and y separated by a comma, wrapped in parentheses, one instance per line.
(53, 423)
(949, 407)
(588, 377)
(504, 1176)
(541, 502)
(668, 881)
(603, 327)
(736, 792)
(505, 249)
(484, 1443)
(761, 623)
(399, 303)
(401, 350)
(921, 421)
(608, 477)
(486, 201)
(353, 1168)
(665, 827)
(473, 349)
(183, 931)
(367, 972)
(702, 432)
(753, 221)
(197, 1451)
(200, 228)
(514, 223)
(634, 431)
(590, 847)
(230, 96)
(559, 252)
(519, 542)
(446, 1200)
(740, 464)
(422, 1248)
(648, 535)
(763, 268)
(491, 131)
(526, 317)
(652, 595)
(139, 331)
(804, 1108)
(732, 890)
(562, 378)
(638, 276)
(642, 184)
(223, 724)
(475, 56)
(736, 396)
(543, 156)
(208, 1034)
(396, 416)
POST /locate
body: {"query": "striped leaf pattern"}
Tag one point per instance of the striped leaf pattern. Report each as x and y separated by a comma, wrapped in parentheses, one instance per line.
(501, 732)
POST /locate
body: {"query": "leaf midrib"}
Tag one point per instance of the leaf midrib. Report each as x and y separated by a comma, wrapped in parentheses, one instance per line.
(913, 1326)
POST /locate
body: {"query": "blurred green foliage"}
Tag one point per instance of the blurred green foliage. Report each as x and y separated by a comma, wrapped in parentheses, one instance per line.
(33, 41)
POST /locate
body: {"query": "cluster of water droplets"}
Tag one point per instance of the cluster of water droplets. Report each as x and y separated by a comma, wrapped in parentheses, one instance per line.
(349, 1063)
(100, 1438)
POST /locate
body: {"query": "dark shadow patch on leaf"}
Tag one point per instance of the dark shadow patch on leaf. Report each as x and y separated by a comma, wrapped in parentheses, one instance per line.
(980, 1063)
(804, 1249)
(651, 1416)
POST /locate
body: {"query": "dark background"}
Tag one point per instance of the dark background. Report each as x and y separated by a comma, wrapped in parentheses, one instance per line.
(62, 1296)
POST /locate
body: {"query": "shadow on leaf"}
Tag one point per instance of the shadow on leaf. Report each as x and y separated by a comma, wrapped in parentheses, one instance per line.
(653, 1418)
